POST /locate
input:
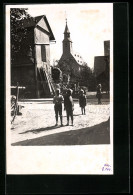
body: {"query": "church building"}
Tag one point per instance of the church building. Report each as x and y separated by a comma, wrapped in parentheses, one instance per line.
(70, 63)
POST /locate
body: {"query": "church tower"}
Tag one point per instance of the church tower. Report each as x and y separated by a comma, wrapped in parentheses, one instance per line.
(67, 42)
(70, 63)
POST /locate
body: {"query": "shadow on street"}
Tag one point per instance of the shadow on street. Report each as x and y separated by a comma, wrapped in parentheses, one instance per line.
(40, 130)
(97, 134)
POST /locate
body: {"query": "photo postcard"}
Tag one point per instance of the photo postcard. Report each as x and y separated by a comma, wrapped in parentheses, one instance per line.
(59, 88)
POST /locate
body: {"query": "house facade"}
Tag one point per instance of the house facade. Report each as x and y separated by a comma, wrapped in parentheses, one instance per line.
(102, 67)
(30, 67)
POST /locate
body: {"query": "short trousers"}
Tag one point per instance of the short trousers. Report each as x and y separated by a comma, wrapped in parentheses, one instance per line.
(58, 109)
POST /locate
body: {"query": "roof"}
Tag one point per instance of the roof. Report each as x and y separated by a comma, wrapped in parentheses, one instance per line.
(78, 58)
(33, 21)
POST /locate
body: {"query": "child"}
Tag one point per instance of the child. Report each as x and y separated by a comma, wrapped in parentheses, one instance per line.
(69, 105)
(58, 106)
(82, 101)
(99, 93)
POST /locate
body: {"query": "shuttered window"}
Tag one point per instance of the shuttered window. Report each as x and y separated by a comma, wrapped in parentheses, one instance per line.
(43, 53)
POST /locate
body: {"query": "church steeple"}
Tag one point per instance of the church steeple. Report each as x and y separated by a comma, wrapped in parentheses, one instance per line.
(67, 42)
(66, 29)
(66, 32)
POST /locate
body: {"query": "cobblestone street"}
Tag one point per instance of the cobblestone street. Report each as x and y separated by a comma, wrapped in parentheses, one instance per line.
(38, 121)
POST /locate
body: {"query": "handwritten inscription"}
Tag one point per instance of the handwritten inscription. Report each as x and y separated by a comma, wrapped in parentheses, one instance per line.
(106, 167)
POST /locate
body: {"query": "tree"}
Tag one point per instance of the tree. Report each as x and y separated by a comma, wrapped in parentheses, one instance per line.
(85, 74)
(88, 78)
(18, 32)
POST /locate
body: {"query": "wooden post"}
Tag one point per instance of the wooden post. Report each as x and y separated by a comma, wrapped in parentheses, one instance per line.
(17, 93)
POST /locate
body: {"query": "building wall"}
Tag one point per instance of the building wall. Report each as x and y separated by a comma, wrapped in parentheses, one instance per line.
(25, 76)
(42, 49)
(43, 69)
(107, 48)
(40, 37)
(99, 65)
(102, 66)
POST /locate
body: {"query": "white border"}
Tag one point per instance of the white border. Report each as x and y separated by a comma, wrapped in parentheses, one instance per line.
(55, 159)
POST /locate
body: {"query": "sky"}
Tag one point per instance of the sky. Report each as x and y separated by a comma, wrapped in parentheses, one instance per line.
(90, 24)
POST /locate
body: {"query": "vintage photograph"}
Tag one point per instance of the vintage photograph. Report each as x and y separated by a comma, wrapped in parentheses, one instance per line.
(59, 78)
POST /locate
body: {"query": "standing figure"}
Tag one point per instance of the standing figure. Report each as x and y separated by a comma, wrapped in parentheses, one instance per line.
(99, 93)
(69, 105)
(82, 101)
(58, 99)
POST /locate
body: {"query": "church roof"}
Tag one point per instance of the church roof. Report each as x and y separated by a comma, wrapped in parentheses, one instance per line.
(78, 58)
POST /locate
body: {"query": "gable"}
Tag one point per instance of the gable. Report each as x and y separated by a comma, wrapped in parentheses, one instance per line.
(43, 25)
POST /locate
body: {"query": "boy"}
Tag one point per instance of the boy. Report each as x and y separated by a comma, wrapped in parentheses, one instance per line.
(69, 105)
(58, 99)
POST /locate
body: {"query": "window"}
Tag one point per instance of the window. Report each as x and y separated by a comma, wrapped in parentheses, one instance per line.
(43, 53)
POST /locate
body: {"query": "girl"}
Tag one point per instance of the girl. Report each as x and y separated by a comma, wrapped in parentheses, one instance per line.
(82, 101)
(99, 93)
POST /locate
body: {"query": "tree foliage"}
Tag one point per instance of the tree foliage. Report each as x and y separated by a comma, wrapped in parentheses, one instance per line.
(87, 78)
(18, 32)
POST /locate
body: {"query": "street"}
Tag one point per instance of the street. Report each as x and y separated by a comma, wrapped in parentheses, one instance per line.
(36, 125)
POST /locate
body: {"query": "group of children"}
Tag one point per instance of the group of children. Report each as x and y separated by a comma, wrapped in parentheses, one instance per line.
(68, 105)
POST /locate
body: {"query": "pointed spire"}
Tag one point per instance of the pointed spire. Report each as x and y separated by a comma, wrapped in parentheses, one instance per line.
(66, 17)
(66, 28)
(66, 21)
